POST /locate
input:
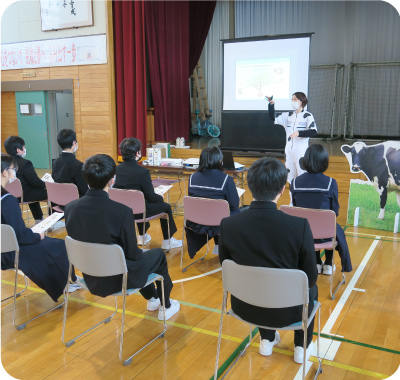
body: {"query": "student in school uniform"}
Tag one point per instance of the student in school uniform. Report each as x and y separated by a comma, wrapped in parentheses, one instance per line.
(33, 188)
(66, 168)
(130, 175)
(313, 189)
(95, 218)
(42, 259)
(210, 181)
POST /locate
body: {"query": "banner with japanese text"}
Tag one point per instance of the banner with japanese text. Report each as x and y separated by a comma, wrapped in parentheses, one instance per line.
(87, 50)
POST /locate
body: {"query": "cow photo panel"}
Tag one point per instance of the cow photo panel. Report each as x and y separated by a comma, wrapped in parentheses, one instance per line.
(375, 202)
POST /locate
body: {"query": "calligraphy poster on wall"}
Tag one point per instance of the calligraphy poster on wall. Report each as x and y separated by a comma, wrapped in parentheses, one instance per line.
(87, 50)
(63, 14)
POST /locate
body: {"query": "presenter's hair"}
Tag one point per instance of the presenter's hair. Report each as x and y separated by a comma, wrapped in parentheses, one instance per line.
(316, 159)
(98, 170)
(66, 138)
(266, 178)
(302, 97)
(129, 147)
(210, 158)
(7, 162)
(12, 144)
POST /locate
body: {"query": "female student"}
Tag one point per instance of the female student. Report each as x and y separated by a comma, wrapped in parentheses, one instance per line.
(313, 189)
(210, 181)
(42, 259)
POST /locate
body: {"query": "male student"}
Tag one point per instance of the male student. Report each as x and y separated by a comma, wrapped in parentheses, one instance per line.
(95, 218)
(263, 236)
(130, 175)
(33, 188)
(66, 168)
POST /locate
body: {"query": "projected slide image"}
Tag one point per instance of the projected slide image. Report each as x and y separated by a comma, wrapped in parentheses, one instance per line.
(260, 77)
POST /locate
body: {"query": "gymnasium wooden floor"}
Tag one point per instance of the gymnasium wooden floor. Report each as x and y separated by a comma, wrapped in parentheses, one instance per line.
(360, 328)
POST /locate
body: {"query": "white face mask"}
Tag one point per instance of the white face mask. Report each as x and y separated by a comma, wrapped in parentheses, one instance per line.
(11, 177)
(112, 181)
(296, 104)
(76, 148)
(24, 153)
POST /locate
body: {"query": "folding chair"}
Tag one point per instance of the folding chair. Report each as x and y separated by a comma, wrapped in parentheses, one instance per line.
(103, 260)
(267, 288)
(61, 194)
(323, 226)
(164, 182)
(135, 200)
(9, 243)
(204, 211)
(15, 189)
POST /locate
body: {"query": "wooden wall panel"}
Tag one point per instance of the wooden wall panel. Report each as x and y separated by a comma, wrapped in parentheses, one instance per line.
(92, 109)
(9, 125)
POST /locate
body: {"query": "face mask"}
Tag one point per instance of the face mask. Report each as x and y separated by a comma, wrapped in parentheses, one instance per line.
(295, 104)
(76, 148)
(112, 181)
(11, 180)
(23, 154)
(13, 176)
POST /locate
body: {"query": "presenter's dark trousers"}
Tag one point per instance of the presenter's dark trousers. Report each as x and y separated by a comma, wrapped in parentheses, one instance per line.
(277, 317)
(154, 209)
(157, 263)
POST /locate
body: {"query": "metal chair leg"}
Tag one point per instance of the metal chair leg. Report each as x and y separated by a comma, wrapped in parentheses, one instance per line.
(19, 293)
(72, 341)
(342, 281)
(194, 262)
(220, 335)
(319, 369)
(161, 335)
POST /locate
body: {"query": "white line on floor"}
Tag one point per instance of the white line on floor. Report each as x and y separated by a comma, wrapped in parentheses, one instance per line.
(338, 308)
(199, 276)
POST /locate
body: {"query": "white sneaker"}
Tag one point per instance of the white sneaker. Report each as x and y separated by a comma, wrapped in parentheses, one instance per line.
(169, 312)
(266, 346)
(328, 269)
(153, 304)
(215, 250)
(147, 239)
(174, 243)
(73, 286)
(299, 352)
(320, 267)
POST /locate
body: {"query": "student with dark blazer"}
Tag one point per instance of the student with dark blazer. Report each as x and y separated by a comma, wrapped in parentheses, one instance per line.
(263, 236)
(66, 168)
(95, 218)
(132, 176)
(33, 188)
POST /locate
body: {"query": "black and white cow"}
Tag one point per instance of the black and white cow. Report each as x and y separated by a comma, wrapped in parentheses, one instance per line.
(381, 165)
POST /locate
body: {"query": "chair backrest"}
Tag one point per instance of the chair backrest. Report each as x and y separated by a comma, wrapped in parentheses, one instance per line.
(322, 222)
(205, 211)
(265, 287)
(131, 198)
(61, 193)
(98, 260)
(15, 188)
(9, 240)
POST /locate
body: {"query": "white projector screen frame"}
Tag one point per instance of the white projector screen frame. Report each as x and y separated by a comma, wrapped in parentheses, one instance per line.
(259, 66)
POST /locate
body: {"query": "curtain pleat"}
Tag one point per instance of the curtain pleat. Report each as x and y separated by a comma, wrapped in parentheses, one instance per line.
(130, 69)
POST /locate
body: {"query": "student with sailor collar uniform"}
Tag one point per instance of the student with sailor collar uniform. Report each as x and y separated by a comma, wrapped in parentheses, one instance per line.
(299, 126)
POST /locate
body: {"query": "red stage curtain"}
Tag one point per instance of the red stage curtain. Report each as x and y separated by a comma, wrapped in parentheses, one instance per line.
(200, 17)
(130, 69)
(167, 33)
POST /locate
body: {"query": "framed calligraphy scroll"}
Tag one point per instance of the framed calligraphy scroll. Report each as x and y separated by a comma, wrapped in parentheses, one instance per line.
(64, 14)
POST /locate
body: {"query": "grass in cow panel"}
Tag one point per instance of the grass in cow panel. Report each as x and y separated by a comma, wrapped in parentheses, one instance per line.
(363, 195)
